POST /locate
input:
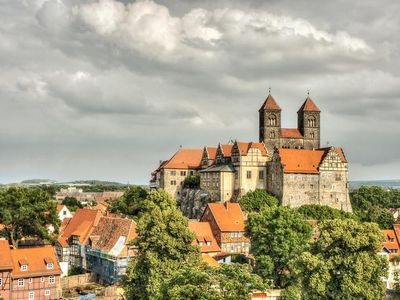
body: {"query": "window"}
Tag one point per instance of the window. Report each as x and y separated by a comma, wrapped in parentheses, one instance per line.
(64, 212)
(173, 182)
(272, 120)
(312, 135)
(42, 279)
(1, 281)
(272, 135)
(183, 173)
(21, 282)
(248, 174)
(208, 243)
(52, 279)
(173, 173)
(24, 267)
(311, 122)
(47, 292)
(191, 172)
(261, 174)
(50, 266)
(31, 280)
(31, 295)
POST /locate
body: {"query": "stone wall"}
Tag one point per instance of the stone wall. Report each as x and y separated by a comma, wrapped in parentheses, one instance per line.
(300, 189)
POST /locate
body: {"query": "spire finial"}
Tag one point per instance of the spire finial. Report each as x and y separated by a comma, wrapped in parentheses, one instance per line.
(269, 91)
(308, 92)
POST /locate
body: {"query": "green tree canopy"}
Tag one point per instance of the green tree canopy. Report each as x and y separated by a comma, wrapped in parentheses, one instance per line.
(254, 201)
(342, 263)
(234, 282)
(131, 202)
(26, 212)
(378, 215)
(192, 181)
(323, 212)
(277, 235)
(72, 203)
(164, 246)
(366, 197)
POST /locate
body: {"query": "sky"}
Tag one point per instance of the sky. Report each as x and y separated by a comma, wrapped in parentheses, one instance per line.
(105, 89)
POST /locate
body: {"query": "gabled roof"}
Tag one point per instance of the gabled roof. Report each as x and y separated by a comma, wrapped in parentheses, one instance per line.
(309, 105)
(60, 207)
(112, 234)
(270, 104)
(204, 234)
(5, 255)
(81, 225)
(291, 133)
(388, 244)
(228, 216)
(36, 260)
(244, 147)
(212, 152)
(300, 160)
(185, 158)
(226, 149)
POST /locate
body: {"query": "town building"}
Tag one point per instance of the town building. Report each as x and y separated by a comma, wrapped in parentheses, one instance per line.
(63, 212)
(98, 244)
(29, 273)
(227, 224)
(391, 251)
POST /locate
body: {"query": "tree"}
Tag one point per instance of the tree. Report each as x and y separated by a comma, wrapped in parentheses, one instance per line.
(278, 234)
(256, 200)
(323, 212)
(131, 202)
(234, 282)
(192, 182)
(342, 263)
(366, 197)
(378, 215)
(26, 212)
(164, 246)
(72, 203)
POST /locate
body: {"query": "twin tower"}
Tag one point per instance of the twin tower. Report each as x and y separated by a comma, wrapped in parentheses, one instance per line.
(305, 136)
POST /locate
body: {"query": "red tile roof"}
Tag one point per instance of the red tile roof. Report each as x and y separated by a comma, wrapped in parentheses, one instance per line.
(111, 230)
(209, 260)
(391, 242)
(300, 160)
(35, 258)
(212, 152)
(59, 207)
(5, 255)
(244, 147)
(291, 133)
(81, 225)
(228, 216)
(226, 149)
(185, 159)
(204, 234)
(309, 105)
(270, 104)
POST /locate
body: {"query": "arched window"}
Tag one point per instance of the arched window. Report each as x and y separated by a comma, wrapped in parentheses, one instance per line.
(312, 135)
(311, 122)
(272, 120)
(272, 135)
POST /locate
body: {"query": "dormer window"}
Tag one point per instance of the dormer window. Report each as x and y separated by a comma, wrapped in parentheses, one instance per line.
(50, 266)
(24, 267)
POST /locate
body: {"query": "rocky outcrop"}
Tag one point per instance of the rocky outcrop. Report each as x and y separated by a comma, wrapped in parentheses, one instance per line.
(193, 202)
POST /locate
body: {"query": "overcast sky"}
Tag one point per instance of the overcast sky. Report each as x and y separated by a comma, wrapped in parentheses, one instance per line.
(104, 89)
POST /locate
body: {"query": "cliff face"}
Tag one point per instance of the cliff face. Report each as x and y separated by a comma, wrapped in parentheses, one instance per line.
(193, 202)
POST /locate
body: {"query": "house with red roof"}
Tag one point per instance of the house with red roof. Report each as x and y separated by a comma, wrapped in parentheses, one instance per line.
(391, 251)
(29, 273)
(227, 223)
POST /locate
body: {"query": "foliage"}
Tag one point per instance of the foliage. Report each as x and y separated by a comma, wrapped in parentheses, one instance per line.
(192, 182)
(74, 271)
(131, 202)
(234, 282)
(323, 212)
(256, 200)
(164, 246)
(277, 235)
(366, 197)
(26, 212)
(72, 203)
(342, 263)
(240, 258)
(378, 215)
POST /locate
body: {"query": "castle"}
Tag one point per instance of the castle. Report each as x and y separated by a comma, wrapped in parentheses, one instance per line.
(288, 162)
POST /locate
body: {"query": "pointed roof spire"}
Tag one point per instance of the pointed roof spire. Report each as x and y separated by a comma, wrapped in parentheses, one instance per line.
(309, 105)
(269, 103)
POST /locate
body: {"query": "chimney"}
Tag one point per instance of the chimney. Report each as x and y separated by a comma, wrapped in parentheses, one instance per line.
(226, 203)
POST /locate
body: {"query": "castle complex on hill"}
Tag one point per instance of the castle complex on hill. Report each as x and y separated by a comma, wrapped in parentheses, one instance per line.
(288, 162)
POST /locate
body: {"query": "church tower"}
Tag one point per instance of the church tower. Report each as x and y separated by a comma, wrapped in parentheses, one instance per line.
(308, 123)
(270, 123)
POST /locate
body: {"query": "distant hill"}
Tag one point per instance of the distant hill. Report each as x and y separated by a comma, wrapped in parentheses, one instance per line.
(93, 182)
(38, 181)
(390, 184)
